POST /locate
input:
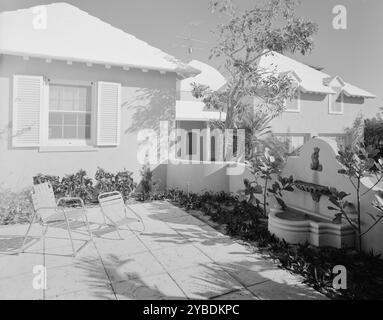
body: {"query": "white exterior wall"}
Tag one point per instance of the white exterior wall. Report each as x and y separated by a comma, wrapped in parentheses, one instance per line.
(145, 99)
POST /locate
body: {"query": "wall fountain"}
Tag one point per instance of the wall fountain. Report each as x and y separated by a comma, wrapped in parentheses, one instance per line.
(307, 218)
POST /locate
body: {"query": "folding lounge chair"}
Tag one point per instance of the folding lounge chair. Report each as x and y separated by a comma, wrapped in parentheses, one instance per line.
(112, 203)
(48, 211)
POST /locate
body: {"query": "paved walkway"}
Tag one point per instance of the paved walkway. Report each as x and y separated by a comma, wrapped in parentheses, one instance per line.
(176, 257)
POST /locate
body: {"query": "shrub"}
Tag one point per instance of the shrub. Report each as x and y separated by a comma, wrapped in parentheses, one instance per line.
(15, 207)
(121, 181)
(147, 185)
(357, 161)
(80, 185)
(373, 133)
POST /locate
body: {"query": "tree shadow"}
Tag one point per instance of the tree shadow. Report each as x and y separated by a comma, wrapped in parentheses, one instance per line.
(10, 244)
(149, 107)
(131, 286)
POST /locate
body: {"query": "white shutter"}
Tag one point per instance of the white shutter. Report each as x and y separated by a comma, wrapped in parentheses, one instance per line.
(27, 105)
(108, 113)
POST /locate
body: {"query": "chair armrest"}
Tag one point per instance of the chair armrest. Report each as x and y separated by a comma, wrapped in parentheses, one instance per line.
(66, 199)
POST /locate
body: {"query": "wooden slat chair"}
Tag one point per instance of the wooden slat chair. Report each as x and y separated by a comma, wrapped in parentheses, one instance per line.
(48, 211)
(112, 203)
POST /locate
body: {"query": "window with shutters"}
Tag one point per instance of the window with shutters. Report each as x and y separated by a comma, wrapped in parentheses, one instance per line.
(69, 112)
(50, 113)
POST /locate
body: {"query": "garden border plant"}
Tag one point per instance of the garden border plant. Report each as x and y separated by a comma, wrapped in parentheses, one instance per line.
(266, 168)
(315, 264)
(358, 162)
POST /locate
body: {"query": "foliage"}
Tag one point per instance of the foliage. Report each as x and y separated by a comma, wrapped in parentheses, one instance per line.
(15, 207)
(355, 134)
(256, 126)
(314, 264)
(80, 185)
(121, 181)
(242, 41)
(280, 147)
(264, 168)
(147, 185)
(358, 162)
(373, 133)
(280, 185)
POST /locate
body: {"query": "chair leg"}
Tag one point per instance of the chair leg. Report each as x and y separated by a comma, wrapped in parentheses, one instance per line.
(70, 234)
(111, 223)
(21, 250)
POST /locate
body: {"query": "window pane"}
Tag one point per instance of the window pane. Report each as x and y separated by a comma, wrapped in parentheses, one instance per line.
(337, 106)
(75, 119)
(70, 132)
(69, 98)
(55, 118)
(68, 92)
(81, 132)
(297, 142)
(70, 119)
(81, 119)
(87, 132)
(55, 132)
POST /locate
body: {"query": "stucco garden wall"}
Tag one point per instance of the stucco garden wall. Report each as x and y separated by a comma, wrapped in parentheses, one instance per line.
(299, 167)
(146, 99)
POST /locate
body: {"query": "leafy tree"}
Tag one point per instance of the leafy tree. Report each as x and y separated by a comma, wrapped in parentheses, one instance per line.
(358, 162)
(242, 41)
(373, 132)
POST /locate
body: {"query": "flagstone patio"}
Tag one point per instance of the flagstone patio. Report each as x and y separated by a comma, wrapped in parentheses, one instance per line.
(176, 257)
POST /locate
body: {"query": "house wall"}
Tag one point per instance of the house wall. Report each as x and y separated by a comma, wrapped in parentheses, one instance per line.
(314, 117)
(147, 98)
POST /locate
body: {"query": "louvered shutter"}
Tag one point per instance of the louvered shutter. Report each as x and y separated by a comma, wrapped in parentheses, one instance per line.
(108, 113)
(27, 105)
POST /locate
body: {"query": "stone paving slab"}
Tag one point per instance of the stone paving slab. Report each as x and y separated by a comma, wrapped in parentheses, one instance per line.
(155, 287)
(176, 256)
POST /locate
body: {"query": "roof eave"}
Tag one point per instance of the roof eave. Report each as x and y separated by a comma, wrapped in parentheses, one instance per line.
(305, 89)
(367, 95)
(184, 72)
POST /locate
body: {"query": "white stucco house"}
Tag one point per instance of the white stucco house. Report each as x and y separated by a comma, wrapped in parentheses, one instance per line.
(324, 106)
(74, 93)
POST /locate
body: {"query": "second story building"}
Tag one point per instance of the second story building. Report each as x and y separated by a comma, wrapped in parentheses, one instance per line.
(325, 105)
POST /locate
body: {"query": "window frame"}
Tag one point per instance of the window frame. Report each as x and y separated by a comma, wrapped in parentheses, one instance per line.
(298, 110)
(330, 103)
(44, 129)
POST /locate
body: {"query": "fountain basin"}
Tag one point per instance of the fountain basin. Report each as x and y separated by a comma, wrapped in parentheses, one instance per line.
(296, 226)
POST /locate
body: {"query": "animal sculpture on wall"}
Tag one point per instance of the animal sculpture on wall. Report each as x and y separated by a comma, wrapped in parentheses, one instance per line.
(315, 165)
